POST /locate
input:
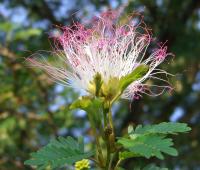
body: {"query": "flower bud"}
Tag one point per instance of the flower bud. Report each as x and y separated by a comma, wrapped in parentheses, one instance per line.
(82, 165)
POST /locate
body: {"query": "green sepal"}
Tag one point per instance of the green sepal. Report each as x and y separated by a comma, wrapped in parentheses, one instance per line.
(95, 85)
(110, 89)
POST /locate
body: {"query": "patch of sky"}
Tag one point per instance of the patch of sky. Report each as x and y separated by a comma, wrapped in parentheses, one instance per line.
(116, 107)
(65, 6)
(4, 11)
(191, 99)
(81, 92)
(177, 114)
(62, 131)
(195, 118)
(87, 13)
(198, 25)
(42, 24)
(87, 139)
(198, 13)
(77, 132)
(19, 15)
(16, 15)
(58, 88)
(196, 85)
(113, 3)
(23, 109)
(159, 3)
(80, 113)
(59, 101)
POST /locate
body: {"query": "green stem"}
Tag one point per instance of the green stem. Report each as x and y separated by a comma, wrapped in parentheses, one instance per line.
(111, 160)
(108, 155)
(118, 162)
(109, 138)
(110, 119)
(105, 119)
(97, 140)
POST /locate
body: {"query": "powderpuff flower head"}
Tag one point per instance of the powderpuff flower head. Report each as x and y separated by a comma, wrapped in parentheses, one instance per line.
(109, 49)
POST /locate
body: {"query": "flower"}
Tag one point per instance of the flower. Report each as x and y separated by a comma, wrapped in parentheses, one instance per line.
(82, 165)
(108, 49)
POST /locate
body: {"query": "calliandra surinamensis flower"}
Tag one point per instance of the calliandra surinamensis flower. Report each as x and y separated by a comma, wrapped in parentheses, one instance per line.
(109, 49)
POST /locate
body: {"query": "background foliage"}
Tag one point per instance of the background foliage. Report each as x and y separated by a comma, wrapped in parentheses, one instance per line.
(34, 110)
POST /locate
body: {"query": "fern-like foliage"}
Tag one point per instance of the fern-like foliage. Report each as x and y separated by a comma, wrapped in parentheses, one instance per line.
(58, 153)
(149, 145)
(151, 140)
(153, 167)
(162, 128)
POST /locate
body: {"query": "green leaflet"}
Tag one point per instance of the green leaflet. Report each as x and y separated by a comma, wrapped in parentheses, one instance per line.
(58, 153)
(149, 145)
(153, 167)
(25, 34)
(162, 128)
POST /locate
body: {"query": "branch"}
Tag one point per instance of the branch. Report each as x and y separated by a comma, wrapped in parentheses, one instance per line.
(6, 52)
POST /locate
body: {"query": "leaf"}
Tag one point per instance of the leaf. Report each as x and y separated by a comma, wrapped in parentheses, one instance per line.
(153, 167)
(58, 153)
(151, 140)
(136, 74)
(130, 129)
(93, 107)
(25, 34)
(162, 128)
(7, 26)
(125, 155)
(86, 103)
(149, 145)
(89, 104)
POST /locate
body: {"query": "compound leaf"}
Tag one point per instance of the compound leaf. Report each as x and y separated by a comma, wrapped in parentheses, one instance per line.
(153, 167)
(149, 145)
(162, 128)
(58, 153)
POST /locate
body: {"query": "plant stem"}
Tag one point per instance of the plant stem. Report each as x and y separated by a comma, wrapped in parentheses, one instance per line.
(100, 154)
(109, 140)
(110, 119)
(118, 162)
(111, 160)
(108, 155)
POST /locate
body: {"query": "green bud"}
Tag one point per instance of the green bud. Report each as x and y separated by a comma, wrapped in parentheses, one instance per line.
(110, 89)
(95, 85)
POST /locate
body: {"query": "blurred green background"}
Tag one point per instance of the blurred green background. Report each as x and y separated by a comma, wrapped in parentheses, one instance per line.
(33, 109)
